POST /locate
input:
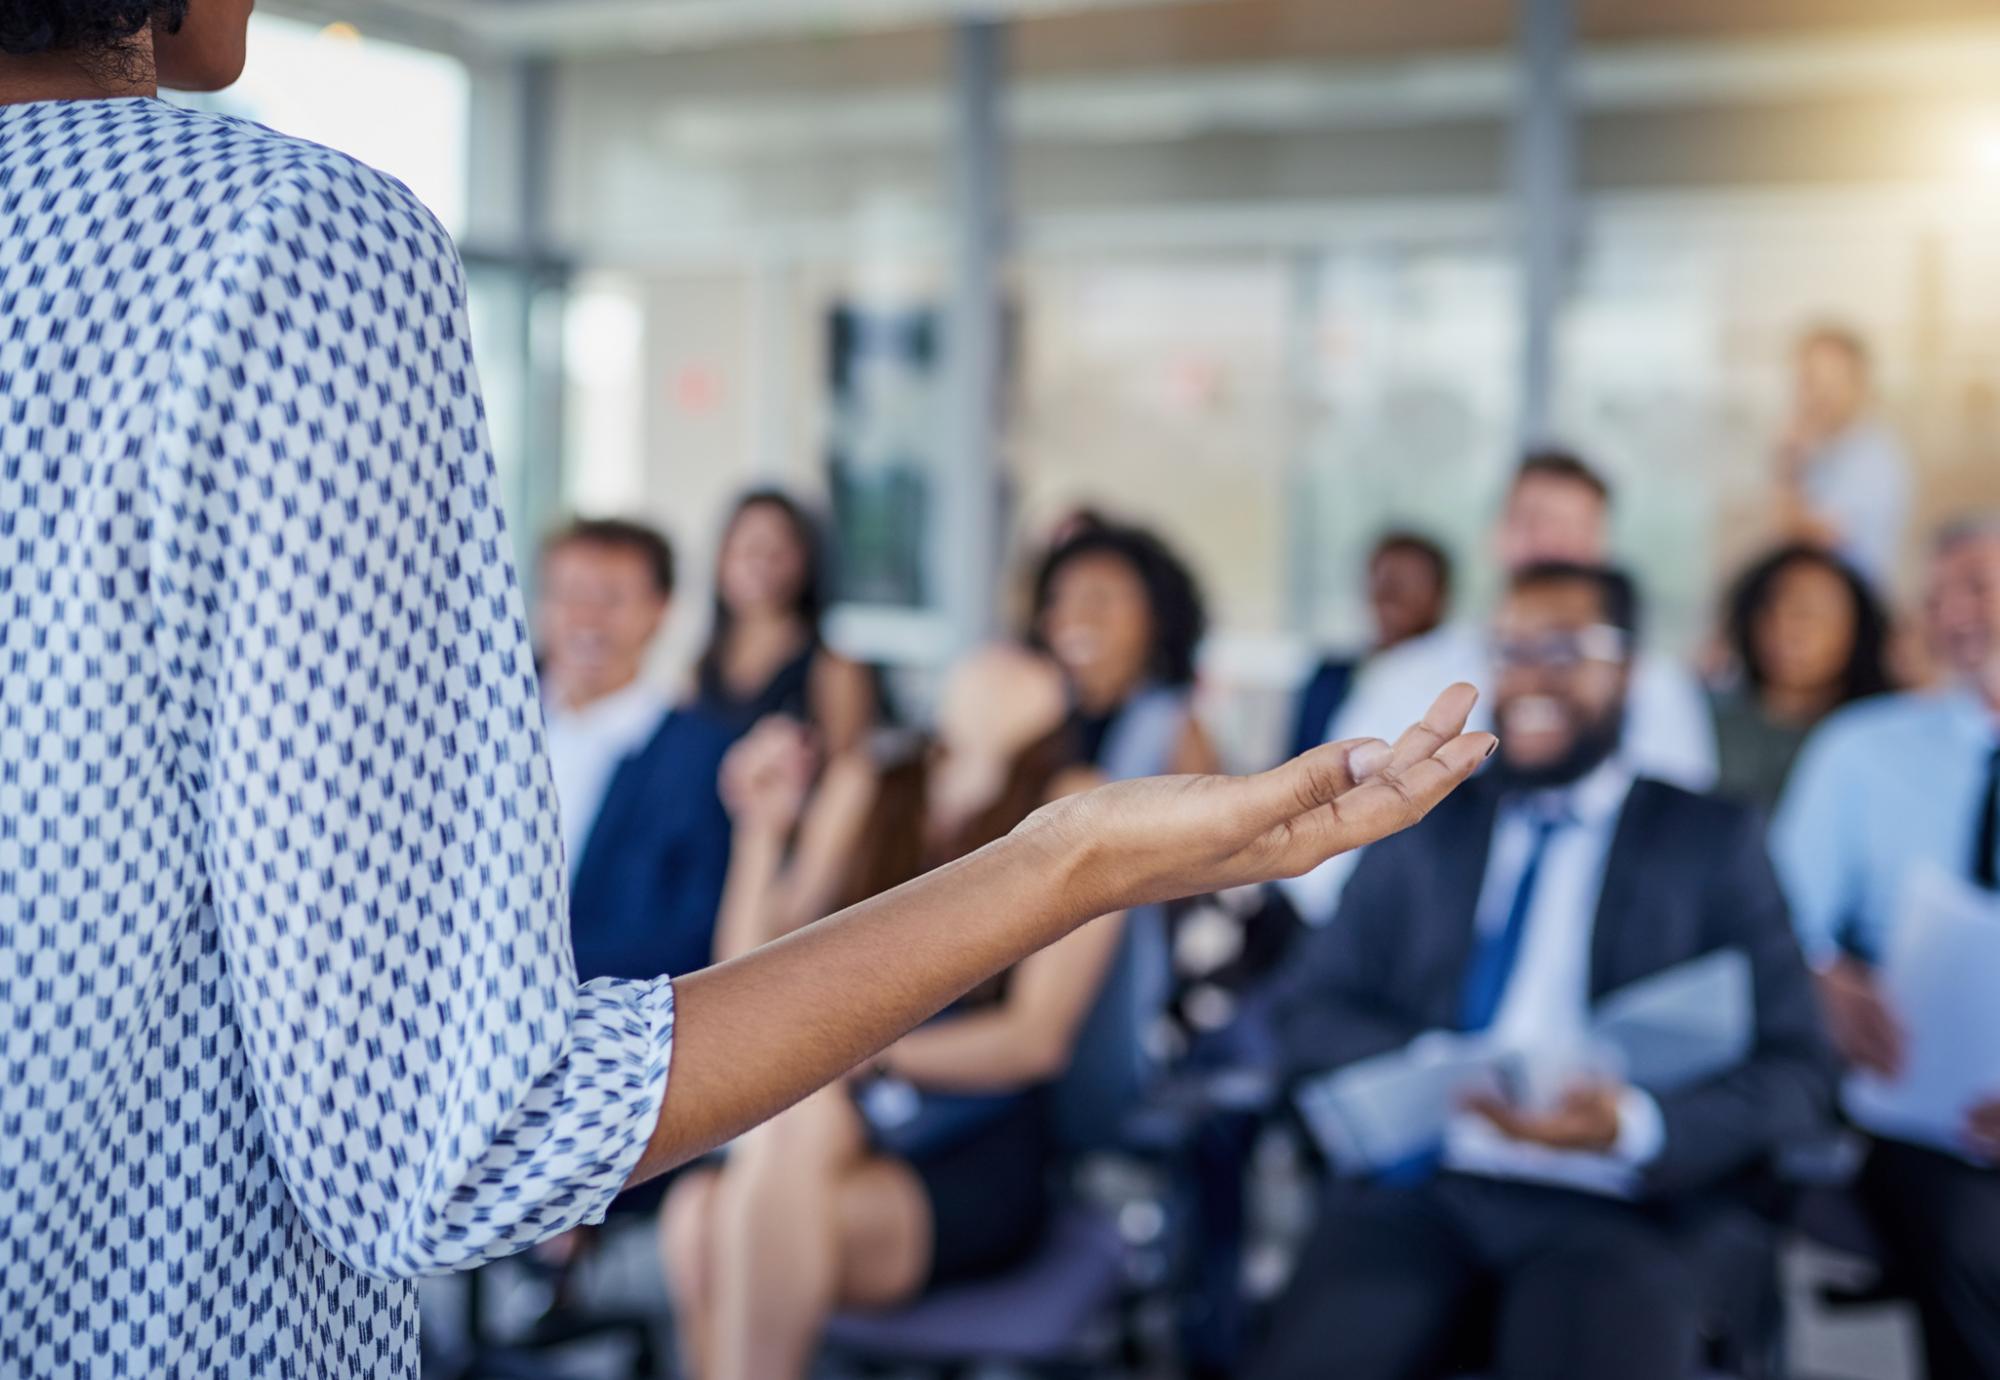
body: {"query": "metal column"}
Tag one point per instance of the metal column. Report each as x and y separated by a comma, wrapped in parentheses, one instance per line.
(966, 542)
(1545, 199)
(544, 280)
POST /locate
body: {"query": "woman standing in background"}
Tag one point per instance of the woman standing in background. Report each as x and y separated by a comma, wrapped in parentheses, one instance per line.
(934, 1166)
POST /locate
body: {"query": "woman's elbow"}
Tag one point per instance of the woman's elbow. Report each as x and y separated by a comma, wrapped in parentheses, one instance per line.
(1047, 1054)
(408, 1240)
(374, 1245)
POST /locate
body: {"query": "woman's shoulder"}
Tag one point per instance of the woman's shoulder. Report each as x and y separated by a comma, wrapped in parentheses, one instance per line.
(258, 173)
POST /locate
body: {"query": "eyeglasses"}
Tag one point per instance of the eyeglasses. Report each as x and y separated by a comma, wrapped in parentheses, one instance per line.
(1563, 651)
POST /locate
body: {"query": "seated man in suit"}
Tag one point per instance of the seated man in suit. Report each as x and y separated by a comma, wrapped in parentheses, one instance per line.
(636, 779)
(1597, 1231)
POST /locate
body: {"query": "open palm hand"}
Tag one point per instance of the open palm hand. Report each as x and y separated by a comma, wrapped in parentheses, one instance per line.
(1164, 837)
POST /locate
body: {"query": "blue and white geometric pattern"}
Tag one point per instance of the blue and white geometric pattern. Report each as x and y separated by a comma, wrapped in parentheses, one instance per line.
(288, 1014)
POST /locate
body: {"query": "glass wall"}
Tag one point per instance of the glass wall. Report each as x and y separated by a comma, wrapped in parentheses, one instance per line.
(363, 96)
(1676, 363)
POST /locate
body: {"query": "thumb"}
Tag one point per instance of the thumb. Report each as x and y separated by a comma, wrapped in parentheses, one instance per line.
(1323, 775)
(1315, 778)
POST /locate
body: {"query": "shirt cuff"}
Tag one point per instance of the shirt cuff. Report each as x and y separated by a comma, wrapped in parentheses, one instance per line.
(1642, 1130)
(648, 1026)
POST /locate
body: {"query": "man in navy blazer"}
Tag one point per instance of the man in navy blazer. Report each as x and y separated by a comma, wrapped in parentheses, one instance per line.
(1586, 1228)
(636, 778)
(644, 895)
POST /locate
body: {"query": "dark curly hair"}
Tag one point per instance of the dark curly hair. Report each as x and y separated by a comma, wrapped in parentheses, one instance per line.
(1179, 620)
(1866, 672)
(88, 28)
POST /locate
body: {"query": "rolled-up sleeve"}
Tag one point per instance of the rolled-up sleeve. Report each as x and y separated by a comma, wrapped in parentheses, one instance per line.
(339, 611)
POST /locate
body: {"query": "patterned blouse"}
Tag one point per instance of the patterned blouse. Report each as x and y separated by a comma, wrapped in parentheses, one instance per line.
(288, 1015)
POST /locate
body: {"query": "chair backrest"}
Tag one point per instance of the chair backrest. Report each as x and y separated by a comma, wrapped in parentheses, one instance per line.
(1114, 1064)
(1142, 739)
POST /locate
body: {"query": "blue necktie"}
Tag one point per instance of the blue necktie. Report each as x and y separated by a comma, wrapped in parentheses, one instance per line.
(1986, 834)
(1493, 960)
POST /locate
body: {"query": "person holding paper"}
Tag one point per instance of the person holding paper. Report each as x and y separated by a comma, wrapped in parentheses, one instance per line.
(1604, 1225)
(288, 1006)
(1884, 789)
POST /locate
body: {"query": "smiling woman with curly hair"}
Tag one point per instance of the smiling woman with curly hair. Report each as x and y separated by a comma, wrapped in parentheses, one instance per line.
(288, 1009)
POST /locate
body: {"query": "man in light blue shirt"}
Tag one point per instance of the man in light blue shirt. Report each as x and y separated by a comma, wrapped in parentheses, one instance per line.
(1886, 787)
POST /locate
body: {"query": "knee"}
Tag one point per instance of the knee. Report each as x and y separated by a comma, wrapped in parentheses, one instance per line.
(883, 1226)
(818, 1136)
(686, 1230)
(1621, 1264)
(1967, 1252)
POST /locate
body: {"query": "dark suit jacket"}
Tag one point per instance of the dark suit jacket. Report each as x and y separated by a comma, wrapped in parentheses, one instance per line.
(1686, 875)
(1323, 694)
(649, 881)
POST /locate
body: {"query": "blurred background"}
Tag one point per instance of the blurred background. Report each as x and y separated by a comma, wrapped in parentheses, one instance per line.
(1274, 273)
(1268, 278)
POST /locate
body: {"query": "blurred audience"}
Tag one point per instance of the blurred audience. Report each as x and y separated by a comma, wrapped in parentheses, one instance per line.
(1123, 617)
(1409, 593)
(643, 826)
(1882, 791)
(1807, 636)
(1557, 509)
(932, 1164)
(1585, 1227)
(765, 655)
(1843, 476)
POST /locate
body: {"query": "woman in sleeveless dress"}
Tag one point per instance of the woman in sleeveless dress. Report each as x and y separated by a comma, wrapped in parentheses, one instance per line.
(933, 1164)
(765, 655)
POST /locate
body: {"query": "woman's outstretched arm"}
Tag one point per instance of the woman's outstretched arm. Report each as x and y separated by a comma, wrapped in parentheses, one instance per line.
(341, 643)
(756, 1034)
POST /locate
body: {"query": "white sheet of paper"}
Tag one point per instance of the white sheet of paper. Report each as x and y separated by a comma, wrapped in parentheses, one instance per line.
(1683, 1026)
(1942, 975)
(1379, 1112)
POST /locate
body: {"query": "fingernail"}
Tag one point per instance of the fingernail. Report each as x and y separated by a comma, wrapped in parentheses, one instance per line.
(1367, 758)
(1492, 747)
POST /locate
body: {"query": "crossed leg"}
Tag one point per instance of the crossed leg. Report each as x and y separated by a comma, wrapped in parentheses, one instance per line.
(800, 1221)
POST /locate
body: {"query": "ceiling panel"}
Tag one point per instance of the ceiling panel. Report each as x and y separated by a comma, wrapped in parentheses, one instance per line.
(892, 39)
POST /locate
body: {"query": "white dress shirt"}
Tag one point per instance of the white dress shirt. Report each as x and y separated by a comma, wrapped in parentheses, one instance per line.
(1544, 1014)
(586, 745)
(1669, 730)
